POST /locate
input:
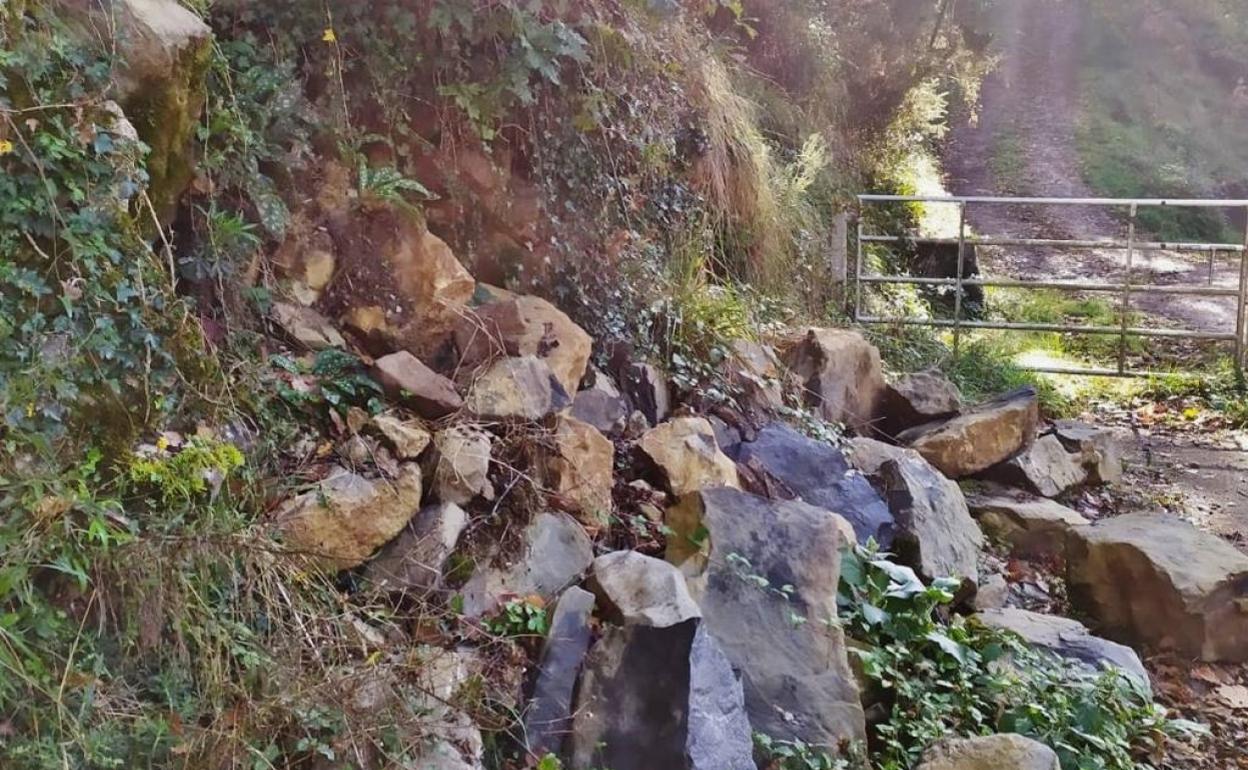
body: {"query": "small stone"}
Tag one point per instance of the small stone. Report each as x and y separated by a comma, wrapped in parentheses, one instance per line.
(993, 592)
(408, 437)
(636, 589)
(405, 377)
(461, 471)
(516, 389)
(307, 327)
(685, 451)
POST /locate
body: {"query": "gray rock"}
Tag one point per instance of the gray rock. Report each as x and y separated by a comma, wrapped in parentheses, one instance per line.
(638, 589)
(1099, 452)
(306, 326)
(1045, 468)
(523, 388)
(405, 377)
(647, 388)
(720, 737)
(548, 719)
(461, 465)
(1033, 526)
(782, 635)
(992, 593)
(555, 555)
(413, 561)
(981, 437)
(601, 405)
(935, 531)
(991, 752)
(791, 465)
(754, 372)
(1155, 579)
(841, 374)
(1067, 639)
(917, 399)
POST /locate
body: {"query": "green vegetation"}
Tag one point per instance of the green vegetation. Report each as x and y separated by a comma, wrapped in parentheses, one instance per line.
(937, 679)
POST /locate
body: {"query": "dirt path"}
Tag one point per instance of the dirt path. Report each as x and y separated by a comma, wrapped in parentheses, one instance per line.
(1024, 143)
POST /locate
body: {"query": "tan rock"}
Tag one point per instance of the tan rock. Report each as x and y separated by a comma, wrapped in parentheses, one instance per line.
(581, 469)
(754, 369)
(306, 326)
(991, 752)
(521, 388)
(348, 517)
(525, 326)
(408, 437)
(685, 451)
(841, 373)
(981, 437)
(1033, 526)
(917, 399)
(461, 470)
(405, 377)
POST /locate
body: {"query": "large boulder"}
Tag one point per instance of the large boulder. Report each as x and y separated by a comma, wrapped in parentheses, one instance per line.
(1099, 452)
(1004, 751)
(841, 374)
(1155, 579)
(765, 574)
(1068, 639)
(1033, 526)
(581, 470)
(461, 465)
(554, 554)
(548, 719)
(685, 451)
(791, 465)
(525, 326)
(935, 532)
(635, 589)
(347, 517)
(406, 378)
(981, 437)
(413, 561)
(523, 389)
(1045, 468)
(917, 399)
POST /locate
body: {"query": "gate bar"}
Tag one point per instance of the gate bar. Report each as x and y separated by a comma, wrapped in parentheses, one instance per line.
(1240, 306)
(1126, 291)
(1095, 243)
(1203, 291)
(1133, 331)
(1178, 202)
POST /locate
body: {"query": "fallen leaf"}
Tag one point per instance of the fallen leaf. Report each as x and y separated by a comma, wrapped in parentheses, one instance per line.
(1233, 695)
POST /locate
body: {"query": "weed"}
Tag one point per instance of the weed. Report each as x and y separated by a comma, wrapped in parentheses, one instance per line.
(520, 618)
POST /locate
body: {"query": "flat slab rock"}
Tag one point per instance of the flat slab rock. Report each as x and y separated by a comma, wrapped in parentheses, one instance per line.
(981, 437)
(1154, 579)
(1033, 526)
(555, 554)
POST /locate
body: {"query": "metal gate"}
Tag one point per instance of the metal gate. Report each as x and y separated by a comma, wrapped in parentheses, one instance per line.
(1124, 289)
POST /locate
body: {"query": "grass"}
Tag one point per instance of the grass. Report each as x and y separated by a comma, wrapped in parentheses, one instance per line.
(1009, 161)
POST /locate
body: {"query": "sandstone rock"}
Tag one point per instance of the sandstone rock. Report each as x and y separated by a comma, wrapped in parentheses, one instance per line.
(307, 327)
(754, 369)
(1034, 526)
(525, 326)
(601, 405)
(347, 517)
(647, 388)
(555, 554)
(635, 589)
(659, 698)
(516, 389)
(685, 451)
(992, 593)
(1045, 468)
(548, 719)
(581, 469)
(408, 437)
(981, 437)
(792, 655)
(405, 377)
(992, 752)
(461, 469)
(413, 561)
(841, 373)
(917, 399)
(432, 282)
(1155, 579)
(1067, 639)
(1099, 452)
(792, 465)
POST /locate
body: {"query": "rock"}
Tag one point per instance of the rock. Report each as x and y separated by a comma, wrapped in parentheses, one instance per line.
(555, 554)
(841, 373)
(348, 517)
(754, 370)
(685, 451)
(431, 282)
(413, 561)
(918, 399)
(1045, 468)
(522, 389)
(1099, 452)
(659, 698)
(461, 470)
(727, 437)
(1004, 751)
(788, 647)
(548, 719)
(405, 377)
(582, 470)
(525, 326)
(307, 327)
(442, 679)
(992, 593)
(408, 437)
(635, 589)
(1067, 639)
(647, 388)
(981, 437)
(792, 465)
(1034, 526)
(935, 531)
(601, 405)
(1155, 579)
